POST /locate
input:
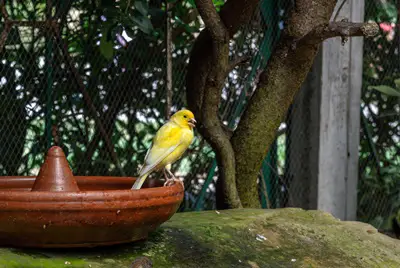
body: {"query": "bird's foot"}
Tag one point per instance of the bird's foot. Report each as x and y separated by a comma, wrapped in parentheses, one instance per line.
(172, 181)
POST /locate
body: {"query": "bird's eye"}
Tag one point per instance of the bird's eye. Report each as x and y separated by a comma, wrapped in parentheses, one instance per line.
(185, 116)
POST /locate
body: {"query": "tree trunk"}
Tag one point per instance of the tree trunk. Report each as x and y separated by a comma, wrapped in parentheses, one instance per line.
(203, 83)
(286, 71)
(240, 157)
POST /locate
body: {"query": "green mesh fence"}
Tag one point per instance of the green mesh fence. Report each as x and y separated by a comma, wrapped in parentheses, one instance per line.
(90, 76)
(379, 178)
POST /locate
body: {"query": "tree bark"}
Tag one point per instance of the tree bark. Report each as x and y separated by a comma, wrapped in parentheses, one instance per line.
(207, 70)
(240, 158)
(288, 67)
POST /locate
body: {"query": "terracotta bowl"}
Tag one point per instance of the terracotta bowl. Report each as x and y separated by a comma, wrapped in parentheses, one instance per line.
(103, 211)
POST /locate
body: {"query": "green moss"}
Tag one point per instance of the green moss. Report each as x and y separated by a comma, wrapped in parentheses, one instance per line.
(235, 238)
(13, 258)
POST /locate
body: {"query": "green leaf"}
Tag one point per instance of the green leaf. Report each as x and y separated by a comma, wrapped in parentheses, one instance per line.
(192, 3)
(106, 47)
(142, 7)
(143, 23)
(219, 3)
(390, 11)
(187, 27)
(386, 90)
(397, 82)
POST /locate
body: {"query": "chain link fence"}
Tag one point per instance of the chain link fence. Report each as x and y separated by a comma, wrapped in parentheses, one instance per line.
(80, 75)
(91, 77)
(379, 178)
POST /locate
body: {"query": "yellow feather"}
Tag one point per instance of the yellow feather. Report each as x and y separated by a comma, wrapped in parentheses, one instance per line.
(169, 144)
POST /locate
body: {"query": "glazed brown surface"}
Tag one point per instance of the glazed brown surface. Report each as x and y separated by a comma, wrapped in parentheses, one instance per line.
(55, 173)
(103, 211)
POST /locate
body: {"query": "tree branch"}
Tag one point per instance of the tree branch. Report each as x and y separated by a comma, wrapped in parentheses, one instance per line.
(234, 14)
(207, 70)
(4, 35)
(227, 130)
(343, 29)
(307, 26)
(237, 61)
(3, 10)
(213, 74)
(212, 20)
(274, 94)
(7, 25)
(35, 24)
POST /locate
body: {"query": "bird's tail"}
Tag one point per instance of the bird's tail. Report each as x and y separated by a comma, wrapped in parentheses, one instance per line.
(139, 182)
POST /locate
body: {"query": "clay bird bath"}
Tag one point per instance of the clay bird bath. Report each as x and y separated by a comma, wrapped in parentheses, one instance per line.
(59, 210)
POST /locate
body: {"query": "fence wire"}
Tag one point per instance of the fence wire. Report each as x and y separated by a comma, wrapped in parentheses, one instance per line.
(379, 178)
(90, 76)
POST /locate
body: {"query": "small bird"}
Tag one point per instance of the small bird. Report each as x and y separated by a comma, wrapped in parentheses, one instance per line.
(169, 144)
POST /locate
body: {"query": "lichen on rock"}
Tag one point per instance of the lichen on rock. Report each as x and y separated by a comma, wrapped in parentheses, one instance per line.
(235, 238)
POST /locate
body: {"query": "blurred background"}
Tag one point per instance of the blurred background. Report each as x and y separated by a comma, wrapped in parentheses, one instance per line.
(99, 90)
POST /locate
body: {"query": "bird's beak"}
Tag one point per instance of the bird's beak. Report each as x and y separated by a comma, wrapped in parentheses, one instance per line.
(192, 122)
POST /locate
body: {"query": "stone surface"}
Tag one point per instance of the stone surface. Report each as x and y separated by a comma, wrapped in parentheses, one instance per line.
(235, 238)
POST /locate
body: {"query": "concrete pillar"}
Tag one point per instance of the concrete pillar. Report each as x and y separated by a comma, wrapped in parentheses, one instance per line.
(325, 126)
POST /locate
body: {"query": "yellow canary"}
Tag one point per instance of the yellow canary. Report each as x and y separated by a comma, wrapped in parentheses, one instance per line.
(169, 144)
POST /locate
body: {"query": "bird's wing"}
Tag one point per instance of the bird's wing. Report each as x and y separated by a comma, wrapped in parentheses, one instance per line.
(168, 137)
(145, 159)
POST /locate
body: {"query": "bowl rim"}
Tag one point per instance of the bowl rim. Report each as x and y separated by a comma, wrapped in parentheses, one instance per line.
(10, 195)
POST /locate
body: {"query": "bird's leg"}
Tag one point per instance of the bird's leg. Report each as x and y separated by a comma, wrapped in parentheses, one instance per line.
(173, 179)
(165, 174)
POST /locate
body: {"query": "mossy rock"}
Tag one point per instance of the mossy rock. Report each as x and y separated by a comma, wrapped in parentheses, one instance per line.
(235, 238)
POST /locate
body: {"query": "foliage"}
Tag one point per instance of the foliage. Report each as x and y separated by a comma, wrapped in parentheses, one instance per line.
(379, 183)
(118, 49)
(387, 90)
